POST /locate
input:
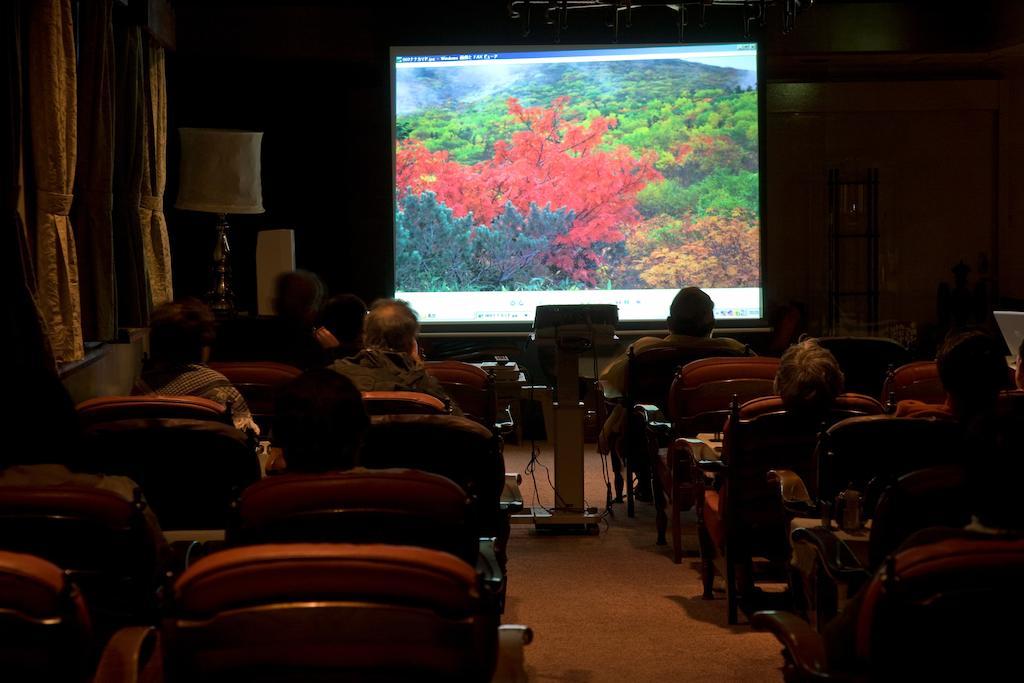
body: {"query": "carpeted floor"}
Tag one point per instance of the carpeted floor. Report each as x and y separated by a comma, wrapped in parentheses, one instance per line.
(613, 607)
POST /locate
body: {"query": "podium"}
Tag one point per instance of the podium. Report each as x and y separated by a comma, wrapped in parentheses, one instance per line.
(573, 330)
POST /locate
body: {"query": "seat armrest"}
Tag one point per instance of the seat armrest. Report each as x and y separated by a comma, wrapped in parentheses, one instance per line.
(511, 665)
(712, 466)
(652, 416)
(131, 656)
(805, 647)
(837, 559)
(492, 578)
(511, 496)
(793, 492)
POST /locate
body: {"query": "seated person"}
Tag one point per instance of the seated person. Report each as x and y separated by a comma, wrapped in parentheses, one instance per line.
(993, 482)
(341, 326)
(808, 379)
(391, 359)
(1018, 376)
(291, 337)
(180, 335)
(45, 411)
(319, 422)
(972, 369)
(691, 321)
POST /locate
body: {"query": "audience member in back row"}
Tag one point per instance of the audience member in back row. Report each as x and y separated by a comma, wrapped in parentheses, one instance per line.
(341, 326)
(973, 370)
(391, 360)
(691, 321)
(993, 482)
(319, 422)
(180, 335)
(46, 415)
(1019, 376)
(291, 336)
(808, 379)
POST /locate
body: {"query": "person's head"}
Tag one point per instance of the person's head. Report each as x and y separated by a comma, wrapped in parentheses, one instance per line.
(692, 313)
(391, 325)
(319, 421)
(809, 378)
(972, 369)
(297, 296)
(343, 316)
(180, 332)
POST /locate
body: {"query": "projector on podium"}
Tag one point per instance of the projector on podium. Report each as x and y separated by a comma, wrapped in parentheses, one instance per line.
(572, 330)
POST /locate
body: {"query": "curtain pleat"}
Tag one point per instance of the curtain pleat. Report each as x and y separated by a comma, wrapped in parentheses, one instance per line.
(91, 212)
(52, 123)
(157, 248)
(129, 255)
(25, 327)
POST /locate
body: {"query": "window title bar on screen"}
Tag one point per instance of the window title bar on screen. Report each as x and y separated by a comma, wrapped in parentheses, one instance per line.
(596, 55)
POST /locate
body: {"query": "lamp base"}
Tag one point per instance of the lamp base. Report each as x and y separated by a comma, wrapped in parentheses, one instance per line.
(221, 298)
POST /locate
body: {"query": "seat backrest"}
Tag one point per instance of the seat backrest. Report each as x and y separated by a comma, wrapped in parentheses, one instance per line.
(453, 447)
(258, 382)
(865, 361)
(703, 390)
(870, 452)
(650, 372)
(393, 506)
(471, 387)
(190, 471)
(45, 632)
(939, 611)
(1010, 405)
(918, 381)
(97, 537)
(402, 403)
(760, 436)
(932, 497)
(150, 407)
(288, 612)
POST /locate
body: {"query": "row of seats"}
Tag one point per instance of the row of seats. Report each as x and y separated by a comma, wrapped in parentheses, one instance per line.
(769, 455)
(671, 402)
(294, 612)
(407, 549)
(469, 386)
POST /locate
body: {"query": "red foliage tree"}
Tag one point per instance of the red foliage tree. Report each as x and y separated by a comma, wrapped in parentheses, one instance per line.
(553, 161)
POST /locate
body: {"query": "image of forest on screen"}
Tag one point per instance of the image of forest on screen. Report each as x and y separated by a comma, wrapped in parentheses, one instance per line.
(589, 175)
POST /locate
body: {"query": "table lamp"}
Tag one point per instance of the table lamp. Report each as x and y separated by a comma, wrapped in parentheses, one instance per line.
(220, 174)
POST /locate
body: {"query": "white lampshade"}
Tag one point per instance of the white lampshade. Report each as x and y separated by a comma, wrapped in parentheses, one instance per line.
(220, 171)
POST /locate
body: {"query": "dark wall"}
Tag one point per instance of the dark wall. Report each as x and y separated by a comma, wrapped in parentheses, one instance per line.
(313, 77)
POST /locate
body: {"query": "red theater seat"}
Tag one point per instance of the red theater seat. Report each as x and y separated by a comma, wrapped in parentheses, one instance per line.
(394, 506)
(109, 408)
(287, 611)
(649, 375)
(258, 382)
(403, 403)
(933, 612)
(45, 633)
(101, 540)
(698, 402)
(190, 470)
(471, 388)
(739, 517)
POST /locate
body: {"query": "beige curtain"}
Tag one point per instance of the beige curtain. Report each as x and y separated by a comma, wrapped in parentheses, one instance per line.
(52, 121)
(91, 213)
(156, 247)
(28, 348)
